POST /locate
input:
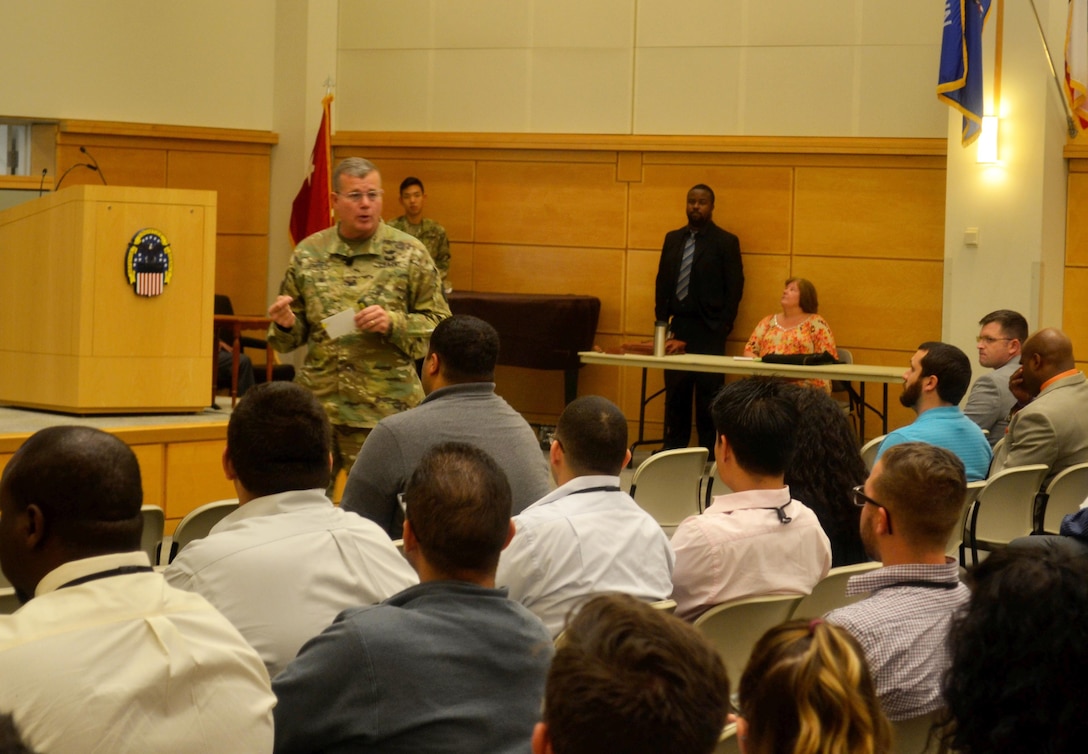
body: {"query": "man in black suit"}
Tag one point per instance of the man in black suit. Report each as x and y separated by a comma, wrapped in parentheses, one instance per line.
(699, 284)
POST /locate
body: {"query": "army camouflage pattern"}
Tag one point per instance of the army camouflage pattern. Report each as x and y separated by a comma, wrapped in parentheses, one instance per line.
(433, 236)
(362, 377)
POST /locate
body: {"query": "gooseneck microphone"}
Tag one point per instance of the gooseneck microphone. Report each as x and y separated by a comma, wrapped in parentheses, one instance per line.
(94, 166)
(56, 186)
(41, 186)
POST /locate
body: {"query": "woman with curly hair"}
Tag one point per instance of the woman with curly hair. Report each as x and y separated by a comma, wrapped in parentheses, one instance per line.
(797, 329)
(1019, 676)
(826, 466)
(807, 690)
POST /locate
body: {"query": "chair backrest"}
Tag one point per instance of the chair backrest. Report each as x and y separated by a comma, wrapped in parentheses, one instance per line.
(666, 485)
(199, 522)
(956, 539)
(918, 735)
(9, 603)
(869, 449)
(1004, 508)
(154, 526)
(830, 592)
(735, 627)
(845, 357)
(668, 606)
(727, 743)
(1065, 494)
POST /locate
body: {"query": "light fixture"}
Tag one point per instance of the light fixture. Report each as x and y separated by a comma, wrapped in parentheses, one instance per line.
(987, 141)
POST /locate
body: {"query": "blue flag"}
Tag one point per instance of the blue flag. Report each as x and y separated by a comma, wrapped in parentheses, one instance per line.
(959, 83)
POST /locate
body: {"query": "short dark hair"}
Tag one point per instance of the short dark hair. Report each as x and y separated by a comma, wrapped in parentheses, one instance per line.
(1013, 324)
(410, 181)
(356, 167)
(630, 679)
(593, 433)
(703, 187)
(759, 419)
(10, 742)
(809, 301)
(807, 680)
(951, 367)
(458, 505)
(1017, 682)
(87, 484)
(923, 487)
(279, 439)
(467, 347)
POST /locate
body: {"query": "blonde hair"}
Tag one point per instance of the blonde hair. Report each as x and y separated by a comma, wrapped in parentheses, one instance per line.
(807, 690)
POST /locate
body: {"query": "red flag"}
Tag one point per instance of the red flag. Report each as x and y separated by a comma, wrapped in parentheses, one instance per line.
(311, 211)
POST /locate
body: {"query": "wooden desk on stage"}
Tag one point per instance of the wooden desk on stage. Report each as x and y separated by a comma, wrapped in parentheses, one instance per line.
(236, 323)
(537, 331)
(694, 362)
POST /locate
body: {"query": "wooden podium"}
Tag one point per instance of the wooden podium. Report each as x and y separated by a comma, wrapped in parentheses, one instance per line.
(77, 337)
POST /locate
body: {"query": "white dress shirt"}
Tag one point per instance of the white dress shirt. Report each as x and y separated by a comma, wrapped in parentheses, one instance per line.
(123, 663)
(584, 538)
(739, 547)
(281, 567)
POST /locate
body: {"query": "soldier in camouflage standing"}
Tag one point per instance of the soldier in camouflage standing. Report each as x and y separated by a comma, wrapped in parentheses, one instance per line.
(430, 234)
(388, 280)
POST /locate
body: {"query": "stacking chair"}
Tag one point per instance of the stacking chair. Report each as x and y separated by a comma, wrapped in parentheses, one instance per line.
(1004, 508)
(956, 540)
(869, 449)
(1064, 495)
(669, 606)
(666, 485)
(199, 522)
(9, 603)
(728, 743)
(735, 627)
(154, 528)
(830, 592)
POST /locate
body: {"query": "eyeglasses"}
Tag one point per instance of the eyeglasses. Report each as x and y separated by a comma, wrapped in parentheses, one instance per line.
(860, 499)
(988, 340)
(356, 197)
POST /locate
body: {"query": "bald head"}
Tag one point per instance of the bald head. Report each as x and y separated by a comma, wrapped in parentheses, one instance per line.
(1047, 353)
(67, 493)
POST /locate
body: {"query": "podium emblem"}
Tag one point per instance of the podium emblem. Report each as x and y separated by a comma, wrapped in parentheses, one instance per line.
(149, 263)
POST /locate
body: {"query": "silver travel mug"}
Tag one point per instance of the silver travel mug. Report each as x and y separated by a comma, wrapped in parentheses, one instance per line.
(659, 338)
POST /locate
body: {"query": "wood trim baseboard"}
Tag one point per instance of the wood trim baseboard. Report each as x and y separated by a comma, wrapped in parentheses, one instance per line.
(160, 131)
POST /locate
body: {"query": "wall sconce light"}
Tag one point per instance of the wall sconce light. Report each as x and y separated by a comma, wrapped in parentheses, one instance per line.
(987, 141)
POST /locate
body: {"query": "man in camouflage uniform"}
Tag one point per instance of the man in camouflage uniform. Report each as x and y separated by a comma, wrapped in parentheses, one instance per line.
(387, 278)
(430, 234)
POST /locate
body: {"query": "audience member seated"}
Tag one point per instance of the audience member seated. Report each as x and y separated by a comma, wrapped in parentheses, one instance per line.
(223, 370)
(757, 540)
(910, 505)
(933, 388)
(999, 342)
(104, 655)
(1052, 426)
(587, 536)
(285, 564)
(629, 679)
(449, 665)
(798, 329)
(1017, 681)
(807, 690)
(826, 465)
(461, 405)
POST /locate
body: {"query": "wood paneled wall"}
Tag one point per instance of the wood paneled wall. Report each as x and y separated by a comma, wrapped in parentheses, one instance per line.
(1075, 314)
(862, 218)
(234, 163)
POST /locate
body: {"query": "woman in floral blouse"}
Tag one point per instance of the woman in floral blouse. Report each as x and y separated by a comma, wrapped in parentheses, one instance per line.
(797, 329)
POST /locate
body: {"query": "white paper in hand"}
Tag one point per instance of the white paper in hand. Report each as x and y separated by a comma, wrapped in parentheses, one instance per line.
(340, 324)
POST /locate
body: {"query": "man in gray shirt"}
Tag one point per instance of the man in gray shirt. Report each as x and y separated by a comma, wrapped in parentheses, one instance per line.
(461, 405)
(999, 341)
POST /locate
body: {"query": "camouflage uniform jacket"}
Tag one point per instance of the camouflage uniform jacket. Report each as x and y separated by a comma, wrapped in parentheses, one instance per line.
(433, 236)
(361, 377)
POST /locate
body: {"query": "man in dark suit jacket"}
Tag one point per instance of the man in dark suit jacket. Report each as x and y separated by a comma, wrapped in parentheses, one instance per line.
(702, 306)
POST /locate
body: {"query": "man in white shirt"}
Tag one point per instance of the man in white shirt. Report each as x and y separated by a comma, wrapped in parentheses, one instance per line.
(104, 656)
(284, 564)
(587, 536)
(758, 540)
(999, 342)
